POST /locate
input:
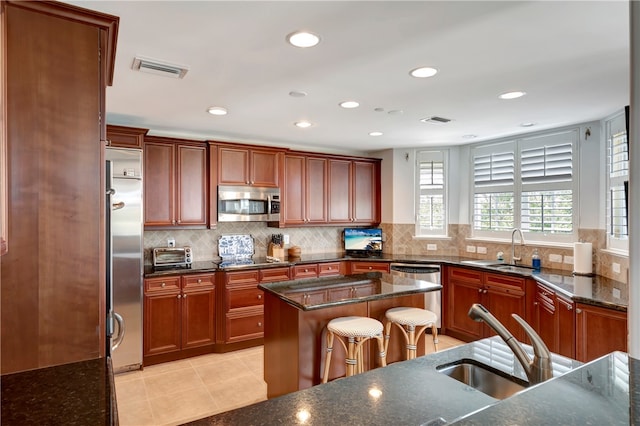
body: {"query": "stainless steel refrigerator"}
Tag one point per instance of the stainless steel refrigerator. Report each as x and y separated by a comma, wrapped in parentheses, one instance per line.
(124, 257)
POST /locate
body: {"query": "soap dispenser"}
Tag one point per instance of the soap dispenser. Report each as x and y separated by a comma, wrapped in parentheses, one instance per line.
(535, 260)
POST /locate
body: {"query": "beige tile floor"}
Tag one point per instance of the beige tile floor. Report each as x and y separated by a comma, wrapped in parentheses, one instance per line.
(177, 392)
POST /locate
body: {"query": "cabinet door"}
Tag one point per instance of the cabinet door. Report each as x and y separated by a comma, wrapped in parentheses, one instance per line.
(463, 289)
(566, 327)
(330, 268)
(126, 137)
(545, 321)
(162, 323)
(305, 271)
(503, 296)
(198, 318)
(272, 275)
(599, 331)
(316, 190)
(339, 191)
(159, 184)
(365, 193)
(264, 168)
(192, 185)
(233, 166)
(293, 208)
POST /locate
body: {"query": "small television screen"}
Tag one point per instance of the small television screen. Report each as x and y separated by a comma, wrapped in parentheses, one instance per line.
(363, 241)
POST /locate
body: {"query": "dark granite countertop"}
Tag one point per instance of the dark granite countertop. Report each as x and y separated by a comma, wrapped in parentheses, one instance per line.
(80, 393)
(593, 290)
(379, 286)
(414, 393)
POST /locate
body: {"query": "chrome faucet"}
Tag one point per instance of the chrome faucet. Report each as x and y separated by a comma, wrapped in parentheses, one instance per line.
(514, 259)
(537, 370)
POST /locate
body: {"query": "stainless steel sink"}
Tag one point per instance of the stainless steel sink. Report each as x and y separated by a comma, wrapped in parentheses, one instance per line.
(482, 262)
(514, 268)
(481, 377)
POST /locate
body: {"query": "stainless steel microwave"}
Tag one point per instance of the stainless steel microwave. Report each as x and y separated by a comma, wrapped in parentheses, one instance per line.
(248, 204)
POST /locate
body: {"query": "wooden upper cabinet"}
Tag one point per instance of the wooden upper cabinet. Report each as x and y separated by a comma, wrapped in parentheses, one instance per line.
(125, 137)
(239, 165)
(354, 191)
(304, 190)
(175, 184)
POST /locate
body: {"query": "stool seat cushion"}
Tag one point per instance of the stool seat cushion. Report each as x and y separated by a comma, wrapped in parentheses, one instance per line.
(355, 326)
(411, 316)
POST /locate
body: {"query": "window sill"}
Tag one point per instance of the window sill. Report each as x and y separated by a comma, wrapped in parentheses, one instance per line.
(526, 242)
(616, 252)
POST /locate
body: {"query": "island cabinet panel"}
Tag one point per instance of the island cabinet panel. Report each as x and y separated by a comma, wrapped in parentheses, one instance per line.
(240, 165)
(56, 61)
(501, 294)
(179, 317)
(599, 331)
(175, 184)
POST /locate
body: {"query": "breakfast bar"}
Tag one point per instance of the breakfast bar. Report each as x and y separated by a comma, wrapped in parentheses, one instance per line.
(296, 313)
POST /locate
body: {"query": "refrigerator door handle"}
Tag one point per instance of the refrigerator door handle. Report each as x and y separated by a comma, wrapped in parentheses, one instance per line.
(117, 206)
(121, 330)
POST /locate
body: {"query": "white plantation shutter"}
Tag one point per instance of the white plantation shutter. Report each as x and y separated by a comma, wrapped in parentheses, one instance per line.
(617, 179)
(494, 169)
(547, 164)
(431, 207)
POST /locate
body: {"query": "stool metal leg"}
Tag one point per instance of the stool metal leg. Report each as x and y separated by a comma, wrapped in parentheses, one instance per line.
(434, 332)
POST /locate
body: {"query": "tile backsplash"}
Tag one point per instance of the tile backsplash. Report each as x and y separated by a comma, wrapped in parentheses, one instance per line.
(398, 239)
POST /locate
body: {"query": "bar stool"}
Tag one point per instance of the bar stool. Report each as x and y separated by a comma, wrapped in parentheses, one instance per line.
(407, 319)
(356, 331)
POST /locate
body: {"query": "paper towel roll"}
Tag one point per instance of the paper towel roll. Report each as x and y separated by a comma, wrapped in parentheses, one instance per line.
(582, 263)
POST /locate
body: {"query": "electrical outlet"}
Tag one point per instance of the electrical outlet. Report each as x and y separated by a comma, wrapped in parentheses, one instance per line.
(471, 249)
(482, 250)
(568, 259)
(171, 242)
(616, 293)
(615, 267)
(432, 247)
(555, 258)
(285, 237)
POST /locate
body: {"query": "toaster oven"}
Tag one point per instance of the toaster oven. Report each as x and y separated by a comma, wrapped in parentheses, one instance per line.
(177, 257)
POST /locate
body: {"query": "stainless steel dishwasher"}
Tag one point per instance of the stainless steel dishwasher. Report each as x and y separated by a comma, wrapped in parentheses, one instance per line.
(424, 272)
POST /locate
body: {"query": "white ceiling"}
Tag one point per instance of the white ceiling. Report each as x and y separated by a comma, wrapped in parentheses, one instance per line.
(572, 59)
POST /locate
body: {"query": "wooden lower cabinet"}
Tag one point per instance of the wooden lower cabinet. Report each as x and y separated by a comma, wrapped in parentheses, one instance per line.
(554, 321)
(179, 314)
(599, 331)
(363, 267)
(501, 294)
(243, 307)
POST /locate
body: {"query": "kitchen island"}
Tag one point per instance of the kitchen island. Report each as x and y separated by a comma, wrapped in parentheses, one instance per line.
(415, 393)
(297, 312)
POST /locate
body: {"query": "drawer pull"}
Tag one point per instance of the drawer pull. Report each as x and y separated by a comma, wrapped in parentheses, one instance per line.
(259, 297)
(370, 268)
(163, 285)
(259, 324)
(199, 280)
(569, 307)
(179, 296)
(479, 290)
(306, 270)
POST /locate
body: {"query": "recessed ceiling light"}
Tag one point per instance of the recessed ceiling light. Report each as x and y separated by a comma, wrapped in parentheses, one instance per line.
(378, 109)
(423, 72)
(395, 112)
(297, 94)
(469, 136)
(217, 111)
(512, 95)
(375, 133)
(527, 124)
(303, 124)
(303, 39)
(349, 104)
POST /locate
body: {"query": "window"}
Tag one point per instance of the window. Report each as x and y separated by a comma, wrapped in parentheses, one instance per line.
(617, 181)
(529, 184)
(431, 201)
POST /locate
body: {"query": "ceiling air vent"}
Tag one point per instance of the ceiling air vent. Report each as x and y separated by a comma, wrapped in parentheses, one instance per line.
(435, 120)
(153, 66)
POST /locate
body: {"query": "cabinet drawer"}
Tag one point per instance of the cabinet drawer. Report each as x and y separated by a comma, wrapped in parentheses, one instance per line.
(305, 271)
(245, 327)
(503, 281)
(243, 277)
(271, 275)
(244, 297)
(157, 285)
(359, 267)
(468, 275)
(198, 281)
(327, 269)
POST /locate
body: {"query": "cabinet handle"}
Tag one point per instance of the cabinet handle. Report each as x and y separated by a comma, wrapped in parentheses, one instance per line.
(259, 324)
(163, 285)
(329, 268)
(486, 291)
(479, 290)
(569, 307)
(199, 280)
(306, 270)
(578, 311)
(370, 267)
(259, 297)
(184, 296)
(179, 296)
(535, 303)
